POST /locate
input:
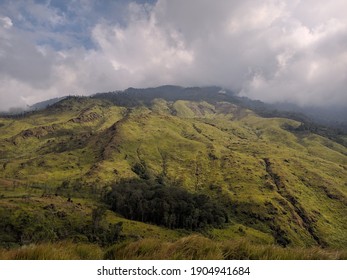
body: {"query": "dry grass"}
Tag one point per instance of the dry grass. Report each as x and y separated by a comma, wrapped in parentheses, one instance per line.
(193, 247)
(196, 247)
(244, 250)
(57, 251)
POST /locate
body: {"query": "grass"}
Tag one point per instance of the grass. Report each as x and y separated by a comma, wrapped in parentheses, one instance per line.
(211, 149)
(55, 251)
(195, 247)
(192, 247)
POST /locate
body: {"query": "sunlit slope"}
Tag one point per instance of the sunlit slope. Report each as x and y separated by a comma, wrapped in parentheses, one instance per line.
(291, 186)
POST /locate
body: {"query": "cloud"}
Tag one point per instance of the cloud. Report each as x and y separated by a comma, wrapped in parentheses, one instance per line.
(270, 50)
(273, 50)
(6, 22)
(142, 54)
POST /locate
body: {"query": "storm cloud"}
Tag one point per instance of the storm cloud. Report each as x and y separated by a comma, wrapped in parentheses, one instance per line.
(272, 50)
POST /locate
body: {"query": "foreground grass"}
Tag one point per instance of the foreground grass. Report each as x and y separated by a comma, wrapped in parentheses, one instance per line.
(193, 247)
(56, 251)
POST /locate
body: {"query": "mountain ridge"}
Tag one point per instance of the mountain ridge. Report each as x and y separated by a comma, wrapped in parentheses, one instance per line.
(278, 181)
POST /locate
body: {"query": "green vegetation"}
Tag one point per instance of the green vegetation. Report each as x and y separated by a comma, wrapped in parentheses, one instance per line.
(139, 174)
(192, 247)
(171, 207)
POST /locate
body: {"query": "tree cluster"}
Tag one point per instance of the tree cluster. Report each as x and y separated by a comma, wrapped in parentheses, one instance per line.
(172, 207)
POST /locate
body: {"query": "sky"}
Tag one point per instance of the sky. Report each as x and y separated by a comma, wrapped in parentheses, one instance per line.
(270, 50)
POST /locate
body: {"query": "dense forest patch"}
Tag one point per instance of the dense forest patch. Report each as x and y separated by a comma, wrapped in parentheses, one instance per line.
(172, 207)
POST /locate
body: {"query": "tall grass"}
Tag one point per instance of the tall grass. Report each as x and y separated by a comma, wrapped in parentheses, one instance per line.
(193, 247)
(196, 247)
(58, 251)
(244, 250)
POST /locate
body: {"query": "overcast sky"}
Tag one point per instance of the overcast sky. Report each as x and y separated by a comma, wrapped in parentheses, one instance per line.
(272, 50)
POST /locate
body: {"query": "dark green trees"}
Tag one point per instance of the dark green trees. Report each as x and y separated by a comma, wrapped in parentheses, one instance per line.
(172, 207)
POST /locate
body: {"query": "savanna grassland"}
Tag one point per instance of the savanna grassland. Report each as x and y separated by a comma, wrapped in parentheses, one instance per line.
(174, 174)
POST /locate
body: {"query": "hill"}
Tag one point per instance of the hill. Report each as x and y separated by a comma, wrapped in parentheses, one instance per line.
(125, 168)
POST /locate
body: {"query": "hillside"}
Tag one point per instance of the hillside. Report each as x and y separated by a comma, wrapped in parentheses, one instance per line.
(79, 170)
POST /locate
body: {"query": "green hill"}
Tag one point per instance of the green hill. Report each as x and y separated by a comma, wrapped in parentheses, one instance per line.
(92, 170)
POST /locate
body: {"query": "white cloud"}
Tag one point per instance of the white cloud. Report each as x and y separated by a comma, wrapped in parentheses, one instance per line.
(140, 54)
(274, 50)
(260, 15)
(6, 22)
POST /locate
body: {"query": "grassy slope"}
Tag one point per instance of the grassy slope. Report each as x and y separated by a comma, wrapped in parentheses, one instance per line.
(282, 185)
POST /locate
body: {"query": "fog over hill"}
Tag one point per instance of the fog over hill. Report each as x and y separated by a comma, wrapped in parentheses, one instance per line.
(333, 117)
(274, 51)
